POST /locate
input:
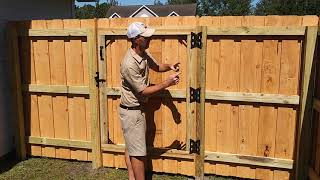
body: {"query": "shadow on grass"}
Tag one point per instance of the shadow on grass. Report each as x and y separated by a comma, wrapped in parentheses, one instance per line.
(7, 162)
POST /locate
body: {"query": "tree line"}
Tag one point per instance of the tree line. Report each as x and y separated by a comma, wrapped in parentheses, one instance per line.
(220, 7)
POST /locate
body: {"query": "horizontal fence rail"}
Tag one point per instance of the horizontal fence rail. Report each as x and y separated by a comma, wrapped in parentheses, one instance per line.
(54, 32)
(57, 89)
(257, 31)
(226, 96)
(160, 31)
(171, 153)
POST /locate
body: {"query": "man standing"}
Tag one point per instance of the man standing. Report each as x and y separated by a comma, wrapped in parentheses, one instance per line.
(135, 90)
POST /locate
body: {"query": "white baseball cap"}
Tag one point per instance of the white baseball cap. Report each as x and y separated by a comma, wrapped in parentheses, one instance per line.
(138, 28)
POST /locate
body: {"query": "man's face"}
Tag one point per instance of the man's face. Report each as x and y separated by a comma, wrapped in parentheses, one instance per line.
(143, 42)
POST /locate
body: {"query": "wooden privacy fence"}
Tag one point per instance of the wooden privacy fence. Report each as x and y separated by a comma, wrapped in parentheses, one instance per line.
(238, 110)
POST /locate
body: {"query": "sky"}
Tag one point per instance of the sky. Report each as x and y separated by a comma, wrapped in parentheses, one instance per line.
(132, 2)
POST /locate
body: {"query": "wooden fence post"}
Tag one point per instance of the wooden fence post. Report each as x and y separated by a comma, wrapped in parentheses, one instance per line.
(93, 89)
(102, 89)
(305, 102)
(200, 107)
(18, 102)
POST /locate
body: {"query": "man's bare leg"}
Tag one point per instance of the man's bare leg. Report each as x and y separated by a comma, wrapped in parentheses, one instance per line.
(129, 166)
(138, 167)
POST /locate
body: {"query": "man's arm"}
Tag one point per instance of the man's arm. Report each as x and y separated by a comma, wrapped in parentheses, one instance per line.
(165, 67)
(159, 67)
(172, 80)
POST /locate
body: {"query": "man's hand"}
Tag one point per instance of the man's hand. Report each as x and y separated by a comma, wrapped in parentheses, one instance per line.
(173, 79)
(175, 67)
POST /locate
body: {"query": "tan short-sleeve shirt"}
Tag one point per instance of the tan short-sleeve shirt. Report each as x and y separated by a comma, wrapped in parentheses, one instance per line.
(134, 73)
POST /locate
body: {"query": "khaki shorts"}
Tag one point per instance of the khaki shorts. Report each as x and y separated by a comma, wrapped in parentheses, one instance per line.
(133, 124)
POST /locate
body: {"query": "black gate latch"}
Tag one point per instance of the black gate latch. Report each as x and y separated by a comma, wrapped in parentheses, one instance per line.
(98, 80)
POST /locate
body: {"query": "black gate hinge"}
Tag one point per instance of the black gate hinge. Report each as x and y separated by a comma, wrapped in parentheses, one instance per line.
(194, 147)
(196, 40)
(98, 80)
(195, 95)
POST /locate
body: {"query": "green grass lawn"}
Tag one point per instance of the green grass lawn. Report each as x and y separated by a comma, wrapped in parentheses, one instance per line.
(47, 168)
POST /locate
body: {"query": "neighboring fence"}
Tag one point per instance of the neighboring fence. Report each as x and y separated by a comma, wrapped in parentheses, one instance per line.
(253, 81)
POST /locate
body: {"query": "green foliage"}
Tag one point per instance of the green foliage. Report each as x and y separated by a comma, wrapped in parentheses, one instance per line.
(224, 7)
(85, 12)
(181, 1)
(220, 7)
(157, 2)
(97, 11)
(288, 7)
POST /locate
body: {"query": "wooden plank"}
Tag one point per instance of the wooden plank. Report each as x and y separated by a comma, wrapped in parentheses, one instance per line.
(184, 167)
(250, 160)
(154, 115)
(250, 82)
(313, 175)
(170, 127)
(118, 51)
(59, 142)
(212, 76)
(210, 156)
(75, 77)
(244, 30)
(87, 24)
(56, 89)
(169, 153)
(181, 105)
(200, 107)
(54, 32)
(270, 84)
(228, 114)
(18, 104)
(95, 123)
(316, 104)
(106, 123)
(252, 30)
(253, 97)
(109, 158)
(34, 110)
(160, 31)
(227, 96)
(102, 92)
(58, 77)
(103, 75)
(289, 85)
(42, 67)
(178, 94)
(306, 106)
(189, 84)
